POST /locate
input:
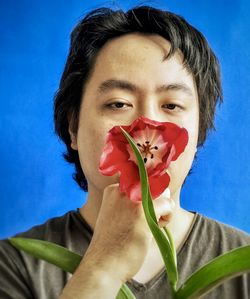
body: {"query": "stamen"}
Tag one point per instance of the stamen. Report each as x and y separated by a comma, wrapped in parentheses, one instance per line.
(154, 148)
(146, 149)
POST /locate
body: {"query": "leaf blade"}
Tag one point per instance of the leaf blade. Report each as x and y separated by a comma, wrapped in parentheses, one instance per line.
(215, 272)
(50, 252)
(58, 256)
(125, 293)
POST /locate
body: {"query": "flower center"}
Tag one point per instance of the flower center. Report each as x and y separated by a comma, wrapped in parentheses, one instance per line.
(146, 149)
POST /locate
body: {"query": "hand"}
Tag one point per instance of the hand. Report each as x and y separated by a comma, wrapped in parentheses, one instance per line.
(121, 236)
(119, 245)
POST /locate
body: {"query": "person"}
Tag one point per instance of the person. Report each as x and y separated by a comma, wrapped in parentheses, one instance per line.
(122, 65)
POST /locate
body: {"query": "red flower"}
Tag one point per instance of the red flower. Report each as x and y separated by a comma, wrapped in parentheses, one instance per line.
(159, 143)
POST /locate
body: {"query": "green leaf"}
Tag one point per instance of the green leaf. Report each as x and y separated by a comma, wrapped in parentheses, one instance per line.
(125, 293)
(226, 266)
(160, 237)
(58, 256)
(50, 252)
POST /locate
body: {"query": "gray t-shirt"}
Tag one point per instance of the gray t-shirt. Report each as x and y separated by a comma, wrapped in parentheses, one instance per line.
(22, 276)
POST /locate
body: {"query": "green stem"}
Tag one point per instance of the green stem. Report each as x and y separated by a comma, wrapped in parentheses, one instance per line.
(171, 242)
(161, 239)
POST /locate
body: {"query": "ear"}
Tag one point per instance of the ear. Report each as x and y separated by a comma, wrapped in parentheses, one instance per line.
(73, 140)
(73, 135)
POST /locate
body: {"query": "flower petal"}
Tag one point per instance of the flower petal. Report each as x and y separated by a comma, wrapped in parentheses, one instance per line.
(177, 136)
(160, 143)
(158, 184)
(111, 158)
(130, 180)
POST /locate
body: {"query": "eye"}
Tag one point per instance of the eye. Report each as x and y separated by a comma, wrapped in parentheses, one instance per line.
(172, 107)
(117, 105)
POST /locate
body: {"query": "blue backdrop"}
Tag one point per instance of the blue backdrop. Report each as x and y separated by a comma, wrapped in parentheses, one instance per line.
(36, 182)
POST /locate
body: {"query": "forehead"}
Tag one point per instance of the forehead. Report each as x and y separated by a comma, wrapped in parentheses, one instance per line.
(134, 43)
(141, 59)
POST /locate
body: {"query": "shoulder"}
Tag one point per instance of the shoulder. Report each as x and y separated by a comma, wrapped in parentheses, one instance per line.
(208, 239)
(21, 272)
(54, 224)
(217, 233)
(68, 230)
(59, 229)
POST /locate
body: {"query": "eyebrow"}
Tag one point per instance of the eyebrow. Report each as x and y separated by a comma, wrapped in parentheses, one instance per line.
(111, 84)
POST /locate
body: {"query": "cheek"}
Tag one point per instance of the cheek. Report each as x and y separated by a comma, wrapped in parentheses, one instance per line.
(90, 146)
(90, 143)
(186, 159)
(179, 169)
(181, 166)
(91, 140)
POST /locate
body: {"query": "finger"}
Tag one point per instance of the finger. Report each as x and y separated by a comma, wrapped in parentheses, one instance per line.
(164, 206)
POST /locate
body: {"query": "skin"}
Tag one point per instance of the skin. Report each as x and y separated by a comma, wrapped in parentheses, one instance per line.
(158, 89)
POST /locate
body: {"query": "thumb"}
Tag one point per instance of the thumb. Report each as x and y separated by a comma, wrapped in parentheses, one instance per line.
(164, 207)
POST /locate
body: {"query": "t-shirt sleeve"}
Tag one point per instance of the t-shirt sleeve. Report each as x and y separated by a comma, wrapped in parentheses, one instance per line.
(13, 278)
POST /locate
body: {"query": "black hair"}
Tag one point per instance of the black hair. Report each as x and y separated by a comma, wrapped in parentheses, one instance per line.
(103, 24)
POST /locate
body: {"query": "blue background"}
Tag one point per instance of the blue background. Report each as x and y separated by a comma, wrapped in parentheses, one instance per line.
(36, 182)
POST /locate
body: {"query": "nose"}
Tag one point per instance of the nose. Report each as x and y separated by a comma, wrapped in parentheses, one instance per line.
(150, 108)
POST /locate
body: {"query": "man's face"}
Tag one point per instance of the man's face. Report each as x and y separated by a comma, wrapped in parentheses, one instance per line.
(132, 79)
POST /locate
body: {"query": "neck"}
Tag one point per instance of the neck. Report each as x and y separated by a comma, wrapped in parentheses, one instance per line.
(90, 210)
